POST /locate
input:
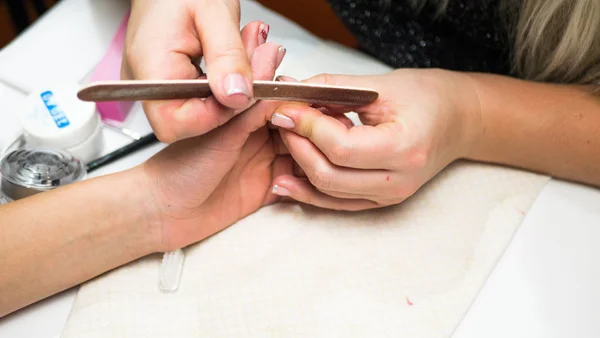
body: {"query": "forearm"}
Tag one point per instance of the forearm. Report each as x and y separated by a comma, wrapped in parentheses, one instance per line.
(551, 129)
(56, 240)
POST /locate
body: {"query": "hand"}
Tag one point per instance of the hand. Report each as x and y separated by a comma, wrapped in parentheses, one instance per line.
(167, 40)
(422, 121)
(201, 185)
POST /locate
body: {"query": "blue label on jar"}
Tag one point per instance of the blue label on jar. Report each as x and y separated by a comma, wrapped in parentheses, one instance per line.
(59, 116)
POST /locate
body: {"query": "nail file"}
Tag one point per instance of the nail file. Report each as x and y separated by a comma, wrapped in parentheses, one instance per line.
(145, 90)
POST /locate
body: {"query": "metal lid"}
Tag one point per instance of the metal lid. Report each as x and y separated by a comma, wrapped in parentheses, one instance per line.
(26, 172)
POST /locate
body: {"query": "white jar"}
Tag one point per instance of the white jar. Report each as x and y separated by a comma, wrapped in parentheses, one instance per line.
(55, 118)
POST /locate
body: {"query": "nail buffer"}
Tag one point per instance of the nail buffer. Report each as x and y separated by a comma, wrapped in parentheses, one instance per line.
(145, 90)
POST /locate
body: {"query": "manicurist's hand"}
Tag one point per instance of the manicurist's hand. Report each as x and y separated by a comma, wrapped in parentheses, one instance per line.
(167, 39)
(201, 185)
(422, 121)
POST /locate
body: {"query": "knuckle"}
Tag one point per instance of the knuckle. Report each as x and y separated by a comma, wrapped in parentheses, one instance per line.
(416, 158)
(320, 177)
(164, 136)
(404, 191)
(341, 153)
(231, 54)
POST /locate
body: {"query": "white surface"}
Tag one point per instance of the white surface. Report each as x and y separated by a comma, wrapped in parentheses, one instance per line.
(72, 38)
(45, 319)
(544, 286)
(64, 44)
(11, 103)
(547, 283)
(436, 250)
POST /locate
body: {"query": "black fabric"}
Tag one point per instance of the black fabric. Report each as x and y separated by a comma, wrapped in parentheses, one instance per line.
(469, 36)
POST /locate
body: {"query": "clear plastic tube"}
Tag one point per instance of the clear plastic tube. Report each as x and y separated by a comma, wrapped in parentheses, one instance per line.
(170, 271)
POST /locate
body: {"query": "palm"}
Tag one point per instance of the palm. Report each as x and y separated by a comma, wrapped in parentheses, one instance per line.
(208, 183)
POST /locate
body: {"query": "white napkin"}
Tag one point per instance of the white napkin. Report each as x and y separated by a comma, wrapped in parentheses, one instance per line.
(288, 271)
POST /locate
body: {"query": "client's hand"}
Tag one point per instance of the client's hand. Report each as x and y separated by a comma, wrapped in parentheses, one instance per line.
(422, 121)
(167, 39)
(201, 185)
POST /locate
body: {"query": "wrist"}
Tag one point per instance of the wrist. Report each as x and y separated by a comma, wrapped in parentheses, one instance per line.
(466, 102)
(148, 227)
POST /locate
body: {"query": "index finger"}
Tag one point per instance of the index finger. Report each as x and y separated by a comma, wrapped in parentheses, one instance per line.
(361, 147)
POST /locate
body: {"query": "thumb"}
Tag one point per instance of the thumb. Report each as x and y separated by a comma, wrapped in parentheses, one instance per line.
(227, 63)
(344, 80)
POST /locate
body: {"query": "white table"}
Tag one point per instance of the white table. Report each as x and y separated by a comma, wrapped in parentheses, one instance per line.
(544, 285)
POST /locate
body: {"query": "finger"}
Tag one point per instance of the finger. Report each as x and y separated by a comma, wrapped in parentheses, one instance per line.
(326, 176)
(362, 147)
(227, 64)
(252, 36)
(344, 195)
(265, 60)
(304, 192)
(344, 119)
(173, 120)
(259, 114)
(126, 71)
(373, 114)
(278, 146)
(332, 109)
(282, 165)
(243, 125)
(298, 171)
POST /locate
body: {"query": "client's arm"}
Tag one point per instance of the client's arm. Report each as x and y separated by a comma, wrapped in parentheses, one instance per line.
(192, 189)
(52, 241)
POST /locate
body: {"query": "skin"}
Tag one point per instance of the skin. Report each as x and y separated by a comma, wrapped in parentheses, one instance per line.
(192, 189)
(210, 177)
(175, 33)
(427, 119)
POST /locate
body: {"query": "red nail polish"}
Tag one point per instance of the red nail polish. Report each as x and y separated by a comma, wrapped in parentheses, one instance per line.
(263, 33)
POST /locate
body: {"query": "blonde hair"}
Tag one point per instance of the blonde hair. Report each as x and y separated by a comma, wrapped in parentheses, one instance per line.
(552, 40)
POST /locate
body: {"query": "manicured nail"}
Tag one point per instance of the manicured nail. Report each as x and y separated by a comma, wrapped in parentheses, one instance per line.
(280, 191)
(283, 78)
(263, 33)
(280, 54)
(236, 84)
(282, 121)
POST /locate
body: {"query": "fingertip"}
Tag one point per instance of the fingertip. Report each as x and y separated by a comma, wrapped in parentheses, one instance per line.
(254, 34)
(281, 52)
(263, 33)
(285, 78)
(281, 190)
(284, 186)
(265, 60)
(236, 91)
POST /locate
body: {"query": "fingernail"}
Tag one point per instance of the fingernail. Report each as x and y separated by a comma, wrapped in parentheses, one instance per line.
(263, 33)
(280, 54)
(282, 121)
(280, 191)
(283, 78)
(236, 84)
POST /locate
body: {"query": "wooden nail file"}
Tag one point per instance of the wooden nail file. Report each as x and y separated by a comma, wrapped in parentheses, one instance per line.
(144, 90)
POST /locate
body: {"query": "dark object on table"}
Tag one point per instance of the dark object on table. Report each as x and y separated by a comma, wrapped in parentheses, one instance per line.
(121, 152)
